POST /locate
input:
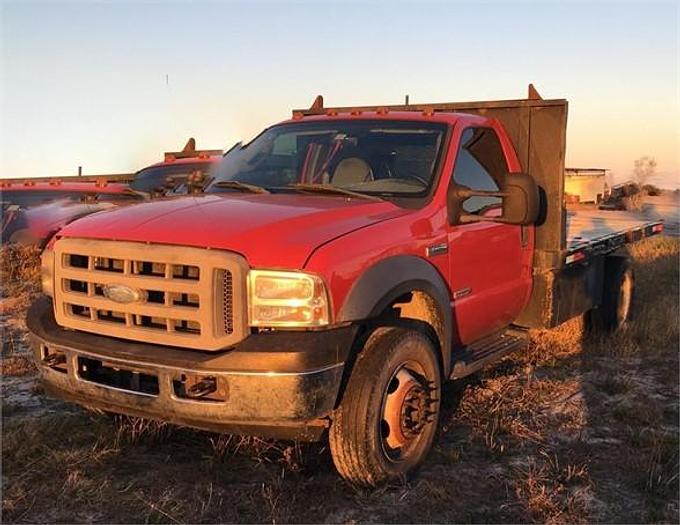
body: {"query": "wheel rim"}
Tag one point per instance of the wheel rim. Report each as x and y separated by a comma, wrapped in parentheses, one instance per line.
(408, 407)
(625, 298)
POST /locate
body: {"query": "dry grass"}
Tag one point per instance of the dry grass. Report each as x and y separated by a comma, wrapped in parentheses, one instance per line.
(19, 270)
(19, 285)
(575, 429)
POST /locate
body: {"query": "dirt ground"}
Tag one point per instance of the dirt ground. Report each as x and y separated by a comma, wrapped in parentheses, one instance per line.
(574, 429)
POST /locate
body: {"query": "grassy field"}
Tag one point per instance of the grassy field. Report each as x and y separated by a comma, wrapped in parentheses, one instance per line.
(574, 429)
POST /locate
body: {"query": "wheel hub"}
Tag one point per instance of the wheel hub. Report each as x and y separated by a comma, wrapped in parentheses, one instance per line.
(405, 410)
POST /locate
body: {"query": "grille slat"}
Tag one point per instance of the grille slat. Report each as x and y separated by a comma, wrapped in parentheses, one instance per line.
(153, 309)
(141, 281)
(186, 297)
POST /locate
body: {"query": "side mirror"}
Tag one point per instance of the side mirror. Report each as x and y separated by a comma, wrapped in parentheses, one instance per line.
(521, 202)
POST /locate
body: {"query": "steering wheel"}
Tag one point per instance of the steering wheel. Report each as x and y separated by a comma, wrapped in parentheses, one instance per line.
(420, 179)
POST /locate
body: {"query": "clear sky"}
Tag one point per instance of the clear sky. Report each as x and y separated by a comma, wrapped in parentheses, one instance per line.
(84, 83)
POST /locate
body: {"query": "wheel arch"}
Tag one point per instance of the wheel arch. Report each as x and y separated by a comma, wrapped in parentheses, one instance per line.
(384, 283)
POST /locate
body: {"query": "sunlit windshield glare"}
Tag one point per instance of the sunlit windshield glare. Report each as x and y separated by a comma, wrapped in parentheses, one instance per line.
(395, 158)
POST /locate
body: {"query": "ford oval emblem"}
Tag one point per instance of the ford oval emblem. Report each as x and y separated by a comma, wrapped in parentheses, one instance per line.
(120, 293)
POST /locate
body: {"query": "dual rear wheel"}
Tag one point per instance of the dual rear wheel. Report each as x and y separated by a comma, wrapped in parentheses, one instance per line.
(616, 309)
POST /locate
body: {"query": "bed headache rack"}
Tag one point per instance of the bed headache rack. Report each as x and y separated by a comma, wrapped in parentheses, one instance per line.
(533, 99)
(190, 151)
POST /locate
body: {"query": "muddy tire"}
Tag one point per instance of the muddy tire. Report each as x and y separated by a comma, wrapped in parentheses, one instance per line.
(617, 297)
(384, 427)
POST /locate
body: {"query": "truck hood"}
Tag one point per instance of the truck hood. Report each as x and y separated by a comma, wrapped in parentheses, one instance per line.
(45, 218)
(270, 230)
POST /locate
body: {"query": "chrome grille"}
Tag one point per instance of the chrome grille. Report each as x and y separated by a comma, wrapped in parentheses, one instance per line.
(188, 297)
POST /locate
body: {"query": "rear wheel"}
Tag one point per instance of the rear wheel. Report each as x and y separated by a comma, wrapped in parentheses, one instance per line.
(386, 422)
(617, 297)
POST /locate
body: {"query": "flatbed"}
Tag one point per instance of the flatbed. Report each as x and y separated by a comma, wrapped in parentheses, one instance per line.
(594, 232)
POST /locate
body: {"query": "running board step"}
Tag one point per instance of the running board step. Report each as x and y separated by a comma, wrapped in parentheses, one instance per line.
(490, 349)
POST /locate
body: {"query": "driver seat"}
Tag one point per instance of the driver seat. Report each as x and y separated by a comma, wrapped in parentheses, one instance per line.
(351, 170)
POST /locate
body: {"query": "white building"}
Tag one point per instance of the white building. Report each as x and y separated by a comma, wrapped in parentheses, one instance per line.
(585, 184)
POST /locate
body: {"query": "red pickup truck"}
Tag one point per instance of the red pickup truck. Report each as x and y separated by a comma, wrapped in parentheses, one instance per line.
(32, 211)
(338, 269)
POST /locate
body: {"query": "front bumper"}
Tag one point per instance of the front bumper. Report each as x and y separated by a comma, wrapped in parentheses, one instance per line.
(279, 385)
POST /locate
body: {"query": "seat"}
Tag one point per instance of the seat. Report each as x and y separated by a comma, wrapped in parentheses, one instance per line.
(351, 170)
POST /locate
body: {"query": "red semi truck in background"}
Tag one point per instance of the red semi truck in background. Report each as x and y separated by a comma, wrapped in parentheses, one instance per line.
(338, 269)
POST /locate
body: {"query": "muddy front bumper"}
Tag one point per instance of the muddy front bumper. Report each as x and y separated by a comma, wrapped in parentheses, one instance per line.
(281, 385)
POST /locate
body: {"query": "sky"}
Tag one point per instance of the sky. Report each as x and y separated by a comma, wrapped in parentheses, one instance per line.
(110, 86)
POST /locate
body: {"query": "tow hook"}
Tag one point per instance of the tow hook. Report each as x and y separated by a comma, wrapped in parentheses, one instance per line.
(55, 359)
(204, 387)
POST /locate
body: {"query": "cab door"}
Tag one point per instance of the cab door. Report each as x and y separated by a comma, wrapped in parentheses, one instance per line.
(489, 263)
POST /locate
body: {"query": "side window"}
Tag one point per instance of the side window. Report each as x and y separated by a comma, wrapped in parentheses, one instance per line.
(480, 165)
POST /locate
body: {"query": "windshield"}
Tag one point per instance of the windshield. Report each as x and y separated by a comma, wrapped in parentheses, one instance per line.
(165, 177)
(371, 157)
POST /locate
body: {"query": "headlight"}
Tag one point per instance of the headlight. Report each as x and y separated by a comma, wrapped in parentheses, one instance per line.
(47, 272)
(286, 299)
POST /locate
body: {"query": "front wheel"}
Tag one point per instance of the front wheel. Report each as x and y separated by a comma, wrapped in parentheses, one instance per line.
(389, 413)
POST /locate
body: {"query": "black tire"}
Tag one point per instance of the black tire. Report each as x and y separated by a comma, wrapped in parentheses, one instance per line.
(397, 372)
(618, 293)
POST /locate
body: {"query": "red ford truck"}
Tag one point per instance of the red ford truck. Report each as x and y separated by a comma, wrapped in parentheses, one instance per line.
(337, 270)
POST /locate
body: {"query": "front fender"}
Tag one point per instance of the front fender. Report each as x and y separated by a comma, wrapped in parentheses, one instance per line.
(384, 282)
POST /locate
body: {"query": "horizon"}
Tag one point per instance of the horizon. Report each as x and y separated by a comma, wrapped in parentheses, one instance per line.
(110, 87)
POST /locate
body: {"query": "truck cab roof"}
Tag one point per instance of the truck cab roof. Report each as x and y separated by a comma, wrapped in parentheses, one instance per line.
(444, 117)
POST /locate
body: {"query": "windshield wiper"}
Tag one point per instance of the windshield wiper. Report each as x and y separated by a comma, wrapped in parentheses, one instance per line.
(242, 186)
(330, 189)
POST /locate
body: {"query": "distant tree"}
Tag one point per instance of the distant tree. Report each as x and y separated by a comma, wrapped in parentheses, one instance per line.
(652, 190)
(644, 169)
